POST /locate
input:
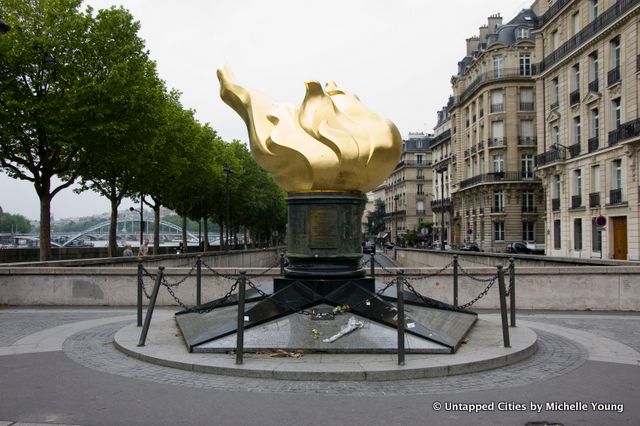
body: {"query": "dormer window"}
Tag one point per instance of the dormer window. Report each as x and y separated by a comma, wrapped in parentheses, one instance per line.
(522, 33)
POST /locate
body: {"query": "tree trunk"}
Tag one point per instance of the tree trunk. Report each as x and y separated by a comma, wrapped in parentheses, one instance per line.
(113, 227)
(206, 234)
(245, 237)
(156, 228)
(45, 221)
(184, 233)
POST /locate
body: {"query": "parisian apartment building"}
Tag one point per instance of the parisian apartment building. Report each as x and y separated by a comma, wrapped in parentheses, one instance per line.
(588, 128)
(406, 192)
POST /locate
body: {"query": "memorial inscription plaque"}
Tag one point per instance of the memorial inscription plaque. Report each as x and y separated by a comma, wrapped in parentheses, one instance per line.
(324, 228)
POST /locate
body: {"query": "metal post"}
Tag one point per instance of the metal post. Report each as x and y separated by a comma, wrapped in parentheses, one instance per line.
(240, 328)
(228, 170)
(455, 280)
(442, 170)
(152, 305)
(198, 280)
(512, 290)
(373, 264)
(503, 307)
(282, 264)
(140, 283)
(400, 297)
(141, 219)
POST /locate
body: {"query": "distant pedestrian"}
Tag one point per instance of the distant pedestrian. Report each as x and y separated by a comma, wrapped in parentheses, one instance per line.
(144, 248)
(127, 251)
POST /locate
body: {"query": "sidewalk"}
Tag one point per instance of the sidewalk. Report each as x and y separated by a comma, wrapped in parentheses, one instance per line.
(59, 366)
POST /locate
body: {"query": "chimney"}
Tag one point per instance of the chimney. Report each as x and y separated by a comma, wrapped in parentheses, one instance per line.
(484, 30)
(472, 45)
(493, 21)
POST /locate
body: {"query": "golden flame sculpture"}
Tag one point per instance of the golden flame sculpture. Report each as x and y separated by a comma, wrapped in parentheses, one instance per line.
(330, 143)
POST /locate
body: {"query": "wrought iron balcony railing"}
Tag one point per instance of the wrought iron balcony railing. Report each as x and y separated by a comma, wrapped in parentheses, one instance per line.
(593, 86)
(528, 209)
(613, 76)
(496, 142)
(527, 140)
(497, 108)
(625, 131)
(550, 157)
(498, 177)
(594, 199)
(555, 204)
(615, 196)
(574, 150)
(526, 106)
(576, 201)
(574, 97)
(594, 144)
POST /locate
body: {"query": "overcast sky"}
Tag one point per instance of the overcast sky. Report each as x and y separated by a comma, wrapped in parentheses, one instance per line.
(398, 56)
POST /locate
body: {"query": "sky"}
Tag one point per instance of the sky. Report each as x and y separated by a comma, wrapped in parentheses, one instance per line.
(398, 56)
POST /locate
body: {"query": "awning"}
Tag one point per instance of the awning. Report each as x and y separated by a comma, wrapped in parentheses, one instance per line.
(382, 235)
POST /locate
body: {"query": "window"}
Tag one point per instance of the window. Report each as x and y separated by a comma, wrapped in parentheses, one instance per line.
(575, 77)
(615, 53)
(615, 113)
(557, 238)
(526, 129)
(576, 23)
(593, 69)
(593, 10)
(419, 159)
(528, 205)
(556, 186)
(522, 33)
(555, 40)
(498, 201)
(577, 182)
(497, 102)
(596, 236)
(526, 99)
(576, 130)
(525, 64)
(498, 231)
(595, 178)
(528, 230)
(577, 234)
(616, 174)
(555, 135)
(420, 174)
(526, 165)
(555, 94)
(498, 163)
(498, 67)
(595, 123)
(419, 143)
(497, 133)
(420, 189)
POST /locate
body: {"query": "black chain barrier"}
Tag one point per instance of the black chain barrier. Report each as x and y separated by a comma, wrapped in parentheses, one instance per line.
(263, 273)
(203, 310)
(474, 278)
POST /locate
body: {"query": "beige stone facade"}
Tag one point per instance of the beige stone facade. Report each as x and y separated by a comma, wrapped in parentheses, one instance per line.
(587, 92)
(407, 191)
(443, 160)
(496, 196)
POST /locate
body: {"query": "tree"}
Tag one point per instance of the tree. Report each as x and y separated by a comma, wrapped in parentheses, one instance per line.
(14, 223)
(375, 219)
(124, 127)
(58, 69)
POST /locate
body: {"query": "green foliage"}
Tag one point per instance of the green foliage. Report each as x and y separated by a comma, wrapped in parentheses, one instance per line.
(79, 225)
(375, 219)
(14, 223)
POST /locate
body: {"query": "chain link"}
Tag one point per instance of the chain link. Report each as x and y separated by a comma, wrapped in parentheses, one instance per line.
(481, 295)
(216, 273)
(277, 263)
(431, 275)
(177, 283)
(464, 272)
(205, 310)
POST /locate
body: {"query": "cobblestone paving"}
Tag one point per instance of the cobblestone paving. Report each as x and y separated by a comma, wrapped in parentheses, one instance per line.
(556, 356)
(625, 330)
(16, 324)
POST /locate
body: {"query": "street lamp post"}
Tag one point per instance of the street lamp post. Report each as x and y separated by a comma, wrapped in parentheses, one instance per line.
(228, 171)
(395, 213)
(141, 211)
(441, 170)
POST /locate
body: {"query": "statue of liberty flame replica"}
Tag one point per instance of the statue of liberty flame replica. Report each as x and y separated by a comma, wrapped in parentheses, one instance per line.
(326, 154)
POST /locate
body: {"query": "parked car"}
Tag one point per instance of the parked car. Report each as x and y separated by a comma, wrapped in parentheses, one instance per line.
(470, 247)
(389, 245)
(520, 247)
(368, 248)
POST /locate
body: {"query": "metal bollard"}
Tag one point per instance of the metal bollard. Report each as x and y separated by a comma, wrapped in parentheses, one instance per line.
(198, 280)
(240, 329)
(139, 292)
(512, 293)
(503, 307)
(152, 305)
(455, 280)
(282, 264)
(400, 322)
(373, 264)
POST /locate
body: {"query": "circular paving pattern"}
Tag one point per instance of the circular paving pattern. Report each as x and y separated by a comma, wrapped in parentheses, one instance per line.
(556, 356)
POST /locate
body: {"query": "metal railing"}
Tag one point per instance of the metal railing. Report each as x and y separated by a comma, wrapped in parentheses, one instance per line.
(497, 209)
(527, 140)
(593, 86)
(555, 204)
(497, 177)
(574, 97)
(550, 157)
(497, 108)
(487, 77)
(576, 201)
(594, 143)
(615, 196)
(574, 150)
(594, 199)
(526, 106)
(613, 76)
(440, 203)
(528, 209)
(625, 131)
(496, 142)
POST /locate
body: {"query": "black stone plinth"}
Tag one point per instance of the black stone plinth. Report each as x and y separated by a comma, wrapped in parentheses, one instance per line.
(324, 235)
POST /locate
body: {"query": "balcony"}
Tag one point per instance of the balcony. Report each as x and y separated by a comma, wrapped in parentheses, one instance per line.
(606, 18)
(441, 203)
(528, 209)
(497, 209)
(552, 11)
(550, 157)
(555, 104)
(497, 108)
(481, 113)
(487, 77)
(593, 86)
(615, 196)
(498, 177)
(480, 145)
(574, 97)
(527, 141)
(555, 204)
(474, 150)
(466, 153)
(574, 150)
(496, 142)
(594, 144)
(613, 76)
(576, 201)
(481, 210)
(625, 131)
(594, 199)
(420, 177)
(420, 212)
(526, 106)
